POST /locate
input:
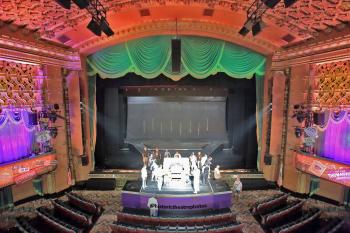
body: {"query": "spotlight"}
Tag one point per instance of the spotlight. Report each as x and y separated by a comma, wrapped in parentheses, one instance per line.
(56, 107)
(271, 3)
(94, 27)
(53, 132)
(256, 29)
(64, 3)
(82, 4)
(288, 3)
(106, 28)
(298, 132)
(244, 31)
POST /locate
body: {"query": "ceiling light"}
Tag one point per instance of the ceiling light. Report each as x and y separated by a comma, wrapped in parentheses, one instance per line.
(64, 3)
(94, 27)
(288, 3)
(106, 28)
(82, 4)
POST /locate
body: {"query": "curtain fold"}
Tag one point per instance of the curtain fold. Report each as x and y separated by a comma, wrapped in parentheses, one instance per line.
(18, 134)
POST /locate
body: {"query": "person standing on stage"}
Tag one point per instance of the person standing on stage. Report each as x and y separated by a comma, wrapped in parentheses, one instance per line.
(217, 173)
(153, 206)
(196, 177)
(177, 155)
(167, 154)
(157, 154)
(237, 187)
(144, 177)
(159, 177)
(193, 161)
(199, 157)
(205, 174)
(154, 169)
(145, 156)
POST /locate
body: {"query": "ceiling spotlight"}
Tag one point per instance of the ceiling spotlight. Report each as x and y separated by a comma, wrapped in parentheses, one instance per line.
(288, 3)
(64, 3)
(82, 4)
(244, 31)
(94, 27)
(256, 29)
(106, 28)
(271, 3)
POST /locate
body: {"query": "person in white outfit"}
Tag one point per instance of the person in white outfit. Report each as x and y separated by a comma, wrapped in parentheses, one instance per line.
(153, 206)
(204, 160)
(177, 155)
(159, 177)
(237, 187)
(154, 168)
(144, 176)
(196, 179)
(193, 161)
(217, 173)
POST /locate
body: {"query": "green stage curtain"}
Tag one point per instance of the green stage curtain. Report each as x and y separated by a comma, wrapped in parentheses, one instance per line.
(200, 57)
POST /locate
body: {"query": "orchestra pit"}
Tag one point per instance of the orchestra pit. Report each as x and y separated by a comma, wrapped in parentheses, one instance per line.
(158, 116)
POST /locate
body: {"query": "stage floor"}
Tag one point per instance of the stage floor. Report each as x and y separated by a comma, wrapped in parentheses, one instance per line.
(213, 186)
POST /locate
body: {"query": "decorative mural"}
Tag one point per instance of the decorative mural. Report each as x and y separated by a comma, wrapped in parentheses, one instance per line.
(332, 85)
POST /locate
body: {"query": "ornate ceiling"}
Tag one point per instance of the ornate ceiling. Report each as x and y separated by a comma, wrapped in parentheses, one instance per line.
(304, 20)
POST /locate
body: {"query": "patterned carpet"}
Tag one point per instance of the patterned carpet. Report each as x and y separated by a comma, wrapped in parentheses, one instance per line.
(110, 200)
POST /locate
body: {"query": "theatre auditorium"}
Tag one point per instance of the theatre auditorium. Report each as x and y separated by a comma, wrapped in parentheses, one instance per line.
(158, 116)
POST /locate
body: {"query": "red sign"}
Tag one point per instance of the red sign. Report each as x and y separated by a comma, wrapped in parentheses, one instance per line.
(329, 170)
(22, 171)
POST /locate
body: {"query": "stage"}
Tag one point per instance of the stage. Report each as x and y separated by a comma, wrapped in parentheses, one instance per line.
(212, 196)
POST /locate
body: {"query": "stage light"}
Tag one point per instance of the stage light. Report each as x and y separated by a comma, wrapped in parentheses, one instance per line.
(288, 3)
(106, 28)
(256, 29)
(82, 4)
(64, 3)
(53, 132)
(298, 132)
(244, 31)
(94, 27)
(271, 3)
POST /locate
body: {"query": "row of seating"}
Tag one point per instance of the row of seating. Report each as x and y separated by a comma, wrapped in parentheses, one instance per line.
(226, 228)
(304, 221)
(83, 204)
(23, 225)
(75, 215)
(264, 206)
(55, 223)
(279, 216)
(291, 218)
(333, 225)
(128, 218)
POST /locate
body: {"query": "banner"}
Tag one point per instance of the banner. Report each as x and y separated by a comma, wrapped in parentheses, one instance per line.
(325, 169)
(22, 171)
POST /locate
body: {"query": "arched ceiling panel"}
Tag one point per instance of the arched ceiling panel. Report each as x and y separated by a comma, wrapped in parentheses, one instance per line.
(304, 20)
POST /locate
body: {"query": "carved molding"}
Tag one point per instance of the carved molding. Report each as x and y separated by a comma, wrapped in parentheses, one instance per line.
(318, 52)
(168, 27)
(29, 52)
(305, 18)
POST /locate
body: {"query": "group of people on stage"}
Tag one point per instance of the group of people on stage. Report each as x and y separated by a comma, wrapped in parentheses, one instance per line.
(199, 167)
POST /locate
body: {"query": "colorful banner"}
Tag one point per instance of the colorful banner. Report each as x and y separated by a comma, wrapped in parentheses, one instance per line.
(325, 169)
(22, 171)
